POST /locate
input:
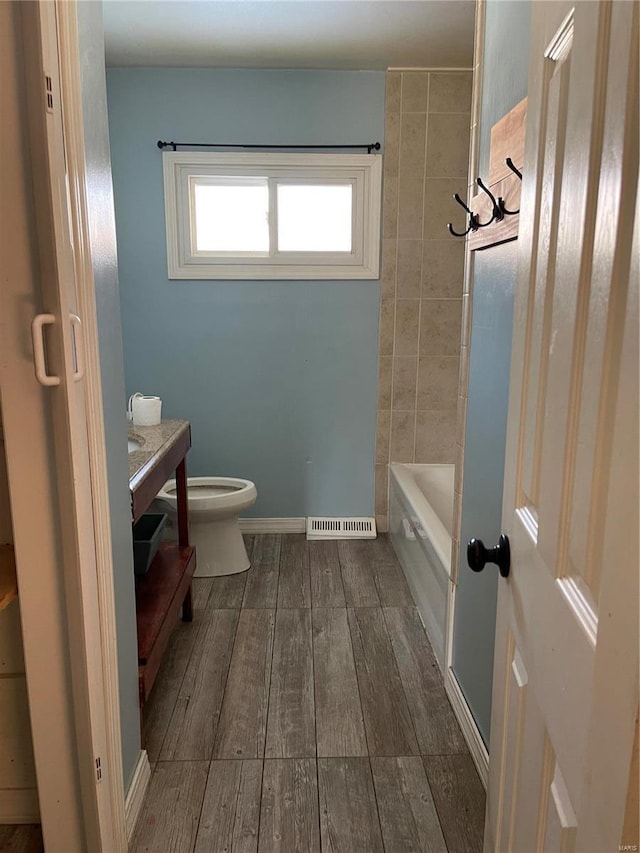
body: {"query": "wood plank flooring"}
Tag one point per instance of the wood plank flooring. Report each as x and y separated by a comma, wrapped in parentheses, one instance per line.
(303, 712)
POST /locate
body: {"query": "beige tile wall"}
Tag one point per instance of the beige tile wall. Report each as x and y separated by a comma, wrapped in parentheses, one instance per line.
(427, 116)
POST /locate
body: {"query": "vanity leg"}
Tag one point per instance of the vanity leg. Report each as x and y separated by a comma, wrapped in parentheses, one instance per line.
(183, 506)
(183, 530)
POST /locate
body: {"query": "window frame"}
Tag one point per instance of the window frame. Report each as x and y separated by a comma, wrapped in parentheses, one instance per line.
(362, 171)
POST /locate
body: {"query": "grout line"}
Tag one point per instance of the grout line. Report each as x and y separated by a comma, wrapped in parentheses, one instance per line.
(375, 799)
(364, 725)
(270, 666)
(205, 607)
(313, 685)
(204, 794)
(355, 669)
(397, 669)
(224, 690)
(279, 535)
(273, 647)
(315, 716)
(397, 664)
(260, 803)
(435, 806)
(311, 758)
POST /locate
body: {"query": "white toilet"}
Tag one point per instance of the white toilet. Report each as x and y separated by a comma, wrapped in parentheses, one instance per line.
(214, 506)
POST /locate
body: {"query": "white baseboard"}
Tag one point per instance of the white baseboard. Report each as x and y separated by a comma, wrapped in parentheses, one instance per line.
(136, 792)
(468, 725)
(19, 805)
(273, 525)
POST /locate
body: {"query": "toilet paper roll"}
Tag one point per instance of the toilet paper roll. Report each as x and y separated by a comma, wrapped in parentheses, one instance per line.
(146, 410)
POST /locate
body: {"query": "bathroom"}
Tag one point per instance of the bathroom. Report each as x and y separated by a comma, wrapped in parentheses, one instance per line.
(308, 388)
(380, 396)
(300, 385)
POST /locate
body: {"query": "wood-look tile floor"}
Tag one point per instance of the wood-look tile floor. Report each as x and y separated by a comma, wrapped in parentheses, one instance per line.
(303, 710)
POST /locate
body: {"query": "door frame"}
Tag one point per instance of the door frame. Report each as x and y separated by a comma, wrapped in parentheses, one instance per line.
(51, 48)
(477, 748)
(73, 131)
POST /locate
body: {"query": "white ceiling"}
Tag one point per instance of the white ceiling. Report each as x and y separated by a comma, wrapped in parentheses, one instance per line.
(338, 34)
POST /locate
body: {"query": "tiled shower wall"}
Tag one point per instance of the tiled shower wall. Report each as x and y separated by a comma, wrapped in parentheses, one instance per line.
(427, 120)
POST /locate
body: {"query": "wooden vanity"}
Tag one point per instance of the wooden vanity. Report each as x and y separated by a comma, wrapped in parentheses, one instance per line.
(166, 587)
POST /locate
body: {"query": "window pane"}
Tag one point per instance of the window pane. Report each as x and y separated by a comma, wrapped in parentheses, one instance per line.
(232, 217)
(314, 218)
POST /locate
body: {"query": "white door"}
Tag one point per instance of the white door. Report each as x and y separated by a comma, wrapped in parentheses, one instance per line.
(565, 689)
(47, 456)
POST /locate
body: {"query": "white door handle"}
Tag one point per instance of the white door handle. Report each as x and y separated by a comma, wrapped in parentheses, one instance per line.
(76, 325)
(37, 337)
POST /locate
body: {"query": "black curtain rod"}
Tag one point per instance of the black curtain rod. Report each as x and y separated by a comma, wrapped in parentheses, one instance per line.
(374, 146)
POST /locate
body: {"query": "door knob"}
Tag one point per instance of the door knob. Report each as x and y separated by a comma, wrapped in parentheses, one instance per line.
(478, 556)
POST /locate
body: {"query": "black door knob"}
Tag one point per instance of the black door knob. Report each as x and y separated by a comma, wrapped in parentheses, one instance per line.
(478, 556)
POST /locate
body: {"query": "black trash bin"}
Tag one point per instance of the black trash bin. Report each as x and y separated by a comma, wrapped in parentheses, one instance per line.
(147, 535)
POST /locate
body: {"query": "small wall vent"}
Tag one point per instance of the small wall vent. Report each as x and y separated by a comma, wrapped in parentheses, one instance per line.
(319, 527)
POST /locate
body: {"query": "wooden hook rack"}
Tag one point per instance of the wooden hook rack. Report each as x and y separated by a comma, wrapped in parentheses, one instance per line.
(507, 141)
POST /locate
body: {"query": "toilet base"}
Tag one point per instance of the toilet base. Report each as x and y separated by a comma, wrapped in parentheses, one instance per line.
(219, 548)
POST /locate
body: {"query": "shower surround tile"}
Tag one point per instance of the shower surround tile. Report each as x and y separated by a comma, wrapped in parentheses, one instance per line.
(440, 208)
(391, 145)
(389, 206)
(409, 269)
(448, 146)
(436, 436)
(388, 276)
(385, 366)
(442, 269)
(387, 322)
(405, 375)
(415, 92)
(403, 431)
(427, 127)
(438, 382)
(407, 327)
(392, 92)
(383, 433)
(450, 93)
(410, 204)
(440, 325)
(413, 132)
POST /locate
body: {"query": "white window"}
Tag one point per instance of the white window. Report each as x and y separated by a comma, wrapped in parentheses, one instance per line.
(252, 216)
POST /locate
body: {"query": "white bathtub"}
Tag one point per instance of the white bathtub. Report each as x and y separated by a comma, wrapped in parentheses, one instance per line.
(420, 524)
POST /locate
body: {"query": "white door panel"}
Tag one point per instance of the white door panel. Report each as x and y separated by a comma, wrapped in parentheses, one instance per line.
(566, 668)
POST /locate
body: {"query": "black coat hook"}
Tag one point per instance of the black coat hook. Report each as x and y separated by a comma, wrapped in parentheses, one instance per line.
(499, 208)
(464, 233)
(513, 168)
(497, 213)
(462, 204)
(473, 219)
(504, 209)
(517, 172)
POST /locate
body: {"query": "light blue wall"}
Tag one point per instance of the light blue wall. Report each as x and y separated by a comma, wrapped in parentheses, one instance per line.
(105, 273)
(504, 85)
(278, 379)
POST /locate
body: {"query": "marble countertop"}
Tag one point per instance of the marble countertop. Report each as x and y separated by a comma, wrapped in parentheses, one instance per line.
(155, 442)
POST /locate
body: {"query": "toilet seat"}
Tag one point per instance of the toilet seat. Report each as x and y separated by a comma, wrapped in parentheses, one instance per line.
(212, 493)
